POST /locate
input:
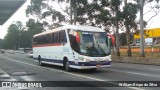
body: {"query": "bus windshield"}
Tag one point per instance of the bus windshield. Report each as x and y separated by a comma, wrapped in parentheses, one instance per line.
(92, 44)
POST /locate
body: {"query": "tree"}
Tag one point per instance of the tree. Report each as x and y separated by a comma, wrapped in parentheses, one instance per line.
(123, 40)
(11, 39)
(80, 11)
(129, 16)
(1, 43)
(37, 7)
(142, 3)
(19, 36)
(34, 27)
(116, 18)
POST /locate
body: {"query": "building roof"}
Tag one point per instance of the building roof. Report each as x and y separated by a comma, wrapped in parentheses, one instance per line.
(8, 8)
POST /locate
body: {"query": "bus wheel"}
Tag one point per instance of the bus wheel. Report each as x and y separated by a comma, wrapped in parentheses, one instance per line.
(40, 61)
(67, 68)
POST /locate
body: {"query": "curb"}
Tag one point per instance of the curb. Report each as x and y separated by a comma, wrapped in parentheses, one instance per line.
(137, 60)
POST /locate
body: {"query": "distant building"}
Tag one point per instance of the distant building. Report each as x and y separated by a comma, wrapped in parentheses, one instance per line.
(153, 34)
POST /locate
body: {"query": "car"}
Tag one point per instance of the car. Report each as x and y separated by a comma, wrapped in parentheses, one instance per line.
(30, 54)
(137, 44)
(2, 51)
(21, 52)
(11, 52)
(148, 43)
(15, 51)
(133, 44)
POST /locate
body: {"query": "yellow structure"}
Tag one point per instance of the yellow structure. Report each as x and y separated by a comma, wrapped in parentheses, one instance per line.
(149, 33)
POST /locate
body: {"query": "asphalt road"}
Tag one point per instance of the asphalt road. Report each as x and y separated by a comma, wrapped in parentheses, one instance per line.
(17, 67)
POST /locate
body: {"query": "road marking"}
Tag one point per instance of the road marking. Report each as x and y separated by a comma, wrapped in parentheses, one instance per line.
(69, 73)
(6, 77)
(136, 73)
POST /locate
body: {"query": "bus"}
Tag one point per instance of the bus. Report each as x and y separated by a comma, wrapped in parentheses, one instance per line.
(73, 46)
(24, 50)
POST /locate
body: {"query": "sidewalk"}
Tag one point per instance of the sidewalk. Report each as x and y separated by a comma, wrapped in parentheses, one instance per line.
(137, 60)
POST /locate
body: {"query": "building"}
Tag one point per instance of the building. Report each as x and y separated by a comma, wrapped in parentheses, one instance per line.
(153, 33)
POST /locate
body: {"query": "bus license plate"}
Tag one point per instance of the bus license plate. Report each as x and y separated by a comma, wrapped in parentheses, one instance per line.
(98, 66)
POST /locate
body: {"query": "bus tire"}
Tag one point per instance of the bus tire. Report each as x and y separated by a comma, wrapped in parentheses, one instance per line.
(66, 65)
(40, 61)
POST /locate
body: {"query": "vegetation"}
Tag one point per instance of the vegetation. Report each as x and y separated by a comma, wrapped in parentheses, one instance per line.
(20, 37)
(1, 43)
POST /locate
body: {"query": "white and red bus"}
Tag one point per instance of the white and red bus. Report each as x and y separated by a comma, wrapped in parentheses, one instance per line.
(73, 46)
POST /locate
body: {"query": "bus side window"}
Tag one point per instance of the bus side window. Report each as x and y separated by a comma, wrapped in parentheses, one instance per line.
(34, 42)
(63, 38)
(55, 37)
(48, 39)
(43, 39)
(53, 41)
(39, 40)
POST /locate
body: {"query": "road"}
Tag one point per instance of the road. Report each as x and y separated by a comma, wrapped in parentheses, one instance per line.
(17, 67)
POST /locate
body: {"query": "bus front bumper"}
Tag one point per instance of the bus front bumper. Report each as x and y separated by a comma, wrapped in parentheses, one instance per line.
(89, 65)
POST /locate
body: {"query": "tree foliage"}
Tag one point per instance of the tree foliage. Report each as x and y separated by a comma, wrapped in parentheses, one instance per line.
(1, 43)
(20, 37)
(12, 38)
(90, 12)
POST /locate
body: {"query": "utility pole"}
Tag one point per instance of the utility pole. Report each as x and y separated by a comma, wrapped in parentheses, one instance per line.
(142, 53)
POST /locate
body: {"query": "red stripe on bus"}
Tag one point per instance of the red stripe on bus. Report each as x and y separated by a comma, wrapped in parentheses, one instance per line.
(45, 45)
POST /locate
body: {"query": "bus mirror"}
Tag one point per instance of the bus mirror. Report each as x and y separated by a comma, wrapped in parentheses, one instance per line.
(77, 38)
(112, 39)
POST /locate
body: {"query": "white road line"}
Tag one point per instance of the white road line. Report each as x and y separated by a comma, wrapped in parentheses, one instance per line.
(4, 76)
(136, 73)
(68, 73)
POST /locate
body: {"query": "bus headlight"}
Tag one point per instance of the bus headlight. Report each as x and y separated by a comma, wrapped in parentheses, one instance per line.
(86, 60)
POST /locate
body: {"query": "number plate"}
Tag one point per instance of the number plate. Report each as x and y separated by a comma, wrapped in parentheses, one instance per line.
(98, 66)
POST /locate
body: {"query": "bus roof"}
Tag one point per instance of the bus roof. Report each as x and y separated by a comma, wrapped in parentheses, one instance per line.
(75, 27)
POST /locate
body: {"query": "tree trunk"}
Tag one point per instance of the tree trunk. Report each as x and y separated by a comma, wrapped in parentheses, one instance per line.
(142, 53)
(71, 13)
(117, 36)
(129, 53)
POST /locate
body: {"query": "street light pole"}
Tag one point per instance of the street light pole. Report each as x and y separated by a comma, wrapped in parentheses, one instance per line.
(142, 53)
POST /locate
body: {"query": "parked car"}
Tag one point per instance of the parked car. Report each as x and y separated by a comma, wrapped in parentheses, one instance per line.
(133, 44)
(137, 44)
(148, 44)
(2, 51)
(30, 54)
(11, 52)
(15, 51)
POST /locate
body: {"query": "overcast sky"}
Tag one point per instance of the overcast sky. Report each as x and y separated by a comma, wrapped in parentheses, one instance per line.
(21, 16)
